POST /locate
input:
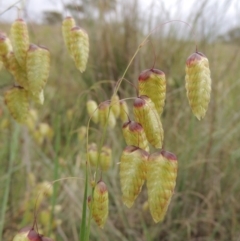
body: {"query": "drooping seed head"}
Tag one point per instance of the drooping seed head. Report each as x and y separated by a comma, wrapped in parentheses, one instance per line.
(124, 111)
(5, 49)
(198, 83)
(79, 47)
(37, 67)
(93, 154)
(82, 132)
(67, 24)
(115, 105)
(161, 181)
(106, 116)
(92, 109)
(135, 135)
(20, 41)
(152, 82)
(146, 114)
(27, 234)
(5, 44)
(132, 173)
(100, 204)
(16, 100)
(105, 158)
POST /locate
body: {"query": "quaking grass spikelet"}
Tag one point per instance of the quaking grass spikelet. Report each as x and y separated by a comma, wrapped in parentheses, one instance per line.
(198, 83)
(106, 115)
(132, 173)
(92, 109)
(38, 66)
(16, 100)
(20, 41)
(134, 135)
(161, 180)
(27, 234)
(79, 47)
(152, 82)
(5, 49)
(115, 105)
(105, 158)
(93, 154)
(123, 110)
(146, 114)
(100, 204)
(67, 24)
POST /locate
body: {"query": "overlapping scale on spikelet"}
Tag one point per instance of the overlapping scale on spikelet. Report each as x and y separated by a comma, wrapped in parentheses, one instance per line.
(99, 204)
(5, 49)
(79, 47)
(92, 109)
(161, 180)
(17, 71)
(146, 114)
(38, 66)
(152, 82)
(198, 83)
(67, 24)
(5, 44)
(20, 41)
(134, 135)
(124, 111)
(106, 115)
(16, 100)
(105, 158)
(132, 173)
(115, 105)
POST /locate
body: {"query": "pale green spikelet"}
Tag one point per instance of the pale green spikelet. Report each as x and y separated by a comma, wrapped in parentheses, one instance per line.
(100, 204)
(161, 181)
(27, 234)
(5, 49)
(135, 135)
(132, 173)
(146, 114)
(123, 110)
(198, 83)
(115, 105)
(38, 66)
(20, 41)
(106, 115)
(67, 24)
(105, 158)
(152, 82)
(79, 47)
(16, 100)
(92, 154)
(92, 109)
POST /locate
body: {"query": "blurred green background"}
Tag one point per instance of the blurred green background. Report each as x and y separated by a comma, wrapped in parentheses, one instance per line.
(205, 206)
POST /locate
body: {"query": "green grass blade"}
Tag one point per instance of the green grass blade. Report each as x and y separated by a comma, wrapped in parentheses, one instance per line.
(13, 148)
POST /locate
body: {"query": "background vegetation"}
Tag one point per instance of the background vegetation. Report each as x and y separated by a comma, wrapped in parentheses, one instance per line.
(206, 205)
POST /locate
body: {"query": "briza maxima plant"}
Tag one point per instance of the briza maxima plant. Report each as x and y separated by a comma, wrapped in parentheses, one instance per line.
(143, 159)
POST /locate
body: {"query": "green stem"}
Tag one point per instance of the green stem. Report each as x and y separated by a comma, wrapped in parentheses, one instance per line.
(13, 147)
